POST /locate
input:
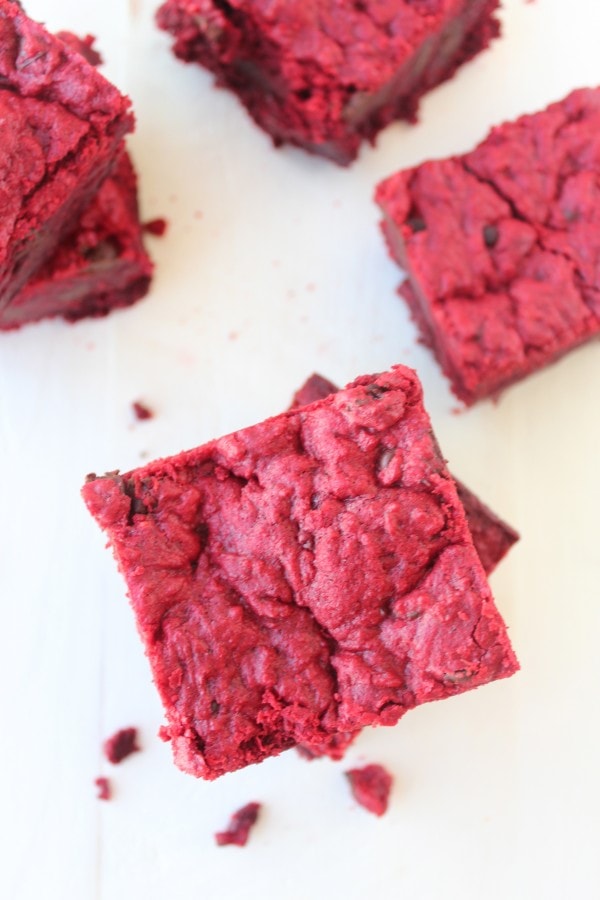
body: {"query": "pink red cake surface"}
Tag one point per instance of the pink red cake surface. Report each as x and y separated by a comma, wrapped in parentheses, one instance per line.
(303, 578)
(492, 537)
(327, 74)
(101, 266)
(371, 786)
(501, 246)
(238, 830)
(63, 125)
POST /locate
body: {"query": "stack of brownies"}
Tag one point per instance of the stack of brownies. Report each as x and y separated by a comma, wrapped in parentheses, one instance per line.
(70, 237)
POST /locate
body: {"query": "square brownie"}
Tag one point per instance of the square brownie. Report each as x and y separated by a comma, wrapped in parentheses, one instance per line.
(327, 74)
(101, 266)
(501, 246)
(63, 125)
(303, 578)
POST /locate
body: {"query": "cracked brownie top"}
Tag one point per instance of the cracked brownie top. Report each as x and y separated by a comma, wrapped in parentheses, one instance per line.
(502, 245)
(359, 43)
(304, 577)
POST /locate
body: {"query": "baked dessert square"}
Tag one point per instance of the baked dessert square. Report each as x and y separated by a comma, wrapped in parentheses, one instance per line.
(303, 578)
(501, 246)
(102, 266)
(326, 75)
(63, 126)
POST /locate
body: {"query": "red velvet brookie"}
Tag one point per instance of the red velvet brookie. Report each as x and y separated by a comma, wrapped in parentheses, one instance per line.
(304, 577)
(63, 125)
(327, 74)
(102, 266)
(501, 246)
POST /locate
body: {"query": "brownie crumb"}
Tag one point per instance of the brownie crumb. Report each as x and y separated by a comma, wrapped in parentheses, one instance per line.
(156, 227)
(371, 787)
(141, 411)
(104, 788)
(239, 826)
(121, 745)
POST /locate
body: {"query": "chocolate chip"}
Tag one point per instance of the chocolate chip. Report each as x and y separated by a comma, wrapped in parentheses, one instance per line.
(415, 223)
(105, 251)
(376, 391)
(214, 707)
(490, 236)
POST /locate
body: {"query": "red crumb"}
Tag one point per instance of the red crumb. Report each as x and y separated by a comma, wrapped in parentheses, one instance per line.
(239, 826)
(157, 227)
(142, 411)
(371, 787)
(104, 790)
(198, 214)
(233, 336)
(121, 745)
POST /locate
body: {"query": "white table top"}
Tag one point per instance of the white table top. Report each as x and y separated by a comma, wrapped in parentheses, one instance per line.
(273, 268)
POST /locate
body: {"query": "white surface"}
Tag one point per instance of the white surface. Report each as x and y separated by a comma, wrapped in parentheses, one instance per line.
(273, 268)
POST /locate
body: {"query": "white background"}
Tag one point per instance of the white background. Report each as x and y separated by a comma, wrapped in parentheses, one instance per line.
(273, 268)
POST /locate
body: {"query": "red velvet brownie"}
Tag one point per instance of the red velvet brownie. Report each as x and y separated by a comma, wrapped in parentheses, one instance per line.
(492, 537)
(101, 266)
(501, 246)
(303, 578)
(63, 125)
(327, 74)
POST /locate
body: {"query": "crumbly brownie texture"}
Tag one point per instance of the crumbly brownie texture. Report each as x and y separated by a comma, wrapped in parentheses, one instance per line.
(501, 246)
(156, 227)
(492, 537)
(63, 124)
(327, 74)
(104, 788)
(304, 577)
(141, 411)
(101, 267)
(371, 787)
(121, 745)
(238, 830)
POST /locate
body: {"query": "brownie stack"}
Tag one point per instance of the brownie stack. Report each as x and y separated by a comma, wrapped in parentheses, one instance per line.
(70, 237)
